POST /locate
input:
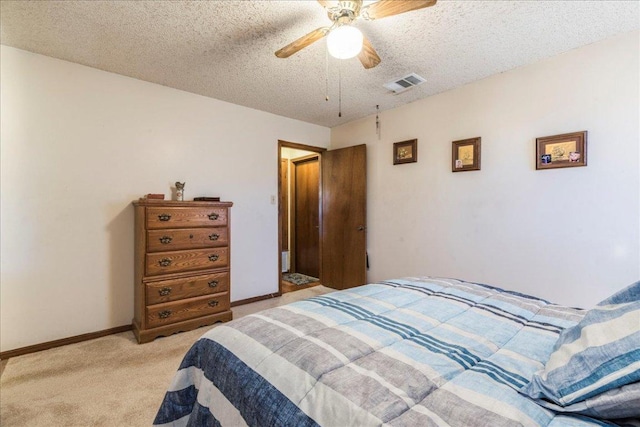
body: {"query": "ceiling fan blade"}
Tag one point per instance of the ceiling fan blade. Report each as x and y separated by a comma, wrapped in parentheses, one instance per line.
(302, 42)
(384, 8)
(368, 55)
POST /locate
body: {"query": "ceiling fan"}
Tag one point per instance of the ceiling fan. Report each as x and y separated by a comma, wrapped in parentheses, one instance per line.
(343, 14)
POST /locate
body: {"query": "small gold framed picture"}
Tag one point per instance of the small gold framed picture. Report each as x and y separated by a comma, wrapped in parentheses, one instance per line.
(561, 151)
(405, 152)
(465, 155)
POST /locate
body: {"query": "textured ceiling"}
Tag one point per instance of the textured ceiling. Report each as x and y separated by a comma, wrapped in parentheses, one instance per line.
(225, 49)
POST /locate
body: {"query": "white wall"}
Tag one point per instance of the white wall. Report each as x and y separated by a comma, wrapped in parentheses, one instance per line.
(78, 146)
(568, 235)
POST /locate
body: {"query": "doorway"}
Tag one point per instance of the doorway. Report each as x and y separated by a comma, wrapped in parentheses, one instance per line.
(322, 197)
(300, 192)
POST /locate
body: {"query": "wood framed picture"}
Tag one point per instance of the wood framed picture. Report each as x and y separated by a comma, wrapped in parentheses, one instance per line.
(405, 152)
(561, 151)
(465, 155)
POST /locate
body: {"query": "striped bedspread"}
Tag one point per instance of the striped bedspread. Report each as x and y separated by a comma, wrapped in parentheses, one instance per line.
(406, 352)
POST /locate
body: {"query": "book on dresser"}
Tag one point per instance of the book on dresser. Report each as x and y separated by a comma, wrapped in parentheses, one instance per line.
(182, 266)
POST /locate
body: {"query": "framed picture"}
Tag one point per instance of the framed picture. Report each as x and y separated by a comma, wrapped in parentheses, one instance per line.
(405, 152)
(561, 151)
(465, 155)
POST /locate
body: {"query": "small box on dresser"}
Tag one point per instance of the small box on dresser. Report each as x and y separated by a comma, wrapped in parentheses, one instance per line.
(182, 266)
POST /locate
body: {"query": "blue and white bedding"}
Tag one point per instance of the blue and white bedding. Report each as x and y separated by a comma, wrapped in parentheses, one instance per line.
(406, 352)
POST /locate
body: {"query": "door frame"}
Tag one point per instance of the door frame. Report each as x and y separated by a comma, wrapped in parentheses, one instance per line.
(319, 150)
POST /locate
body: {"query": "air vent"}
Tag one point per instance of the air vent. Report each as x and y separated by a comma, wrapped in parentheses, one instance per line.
(404, 83)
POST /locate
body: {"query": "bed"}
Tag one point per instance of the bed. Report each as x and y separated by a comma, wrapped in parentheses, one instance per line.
(409, 352)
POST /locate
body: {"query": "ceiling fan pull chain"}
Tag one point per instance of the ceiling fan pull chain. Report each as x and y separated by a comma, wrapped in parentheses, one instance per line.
(339, 90)
(326, 75)
(378, 121)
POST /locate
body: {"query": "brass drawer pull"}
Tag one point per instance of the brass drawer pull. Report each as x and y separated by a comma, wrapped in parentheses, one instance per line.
(164, 262)
(213, 216)
(214, 257)
(165, 240)
(164, 314)
(214, 236)
(164, 217)
(164, 292)
(213, 283)
(213, 303)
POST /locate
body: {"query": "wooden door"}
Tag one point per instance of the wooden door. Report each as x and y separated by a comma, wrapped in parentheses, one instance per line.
(344, 217)
(306, 215)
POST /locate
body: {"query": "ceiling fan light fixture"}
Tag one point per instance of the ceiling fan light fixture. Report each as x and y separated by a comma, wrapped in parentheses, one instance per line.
(344, 42)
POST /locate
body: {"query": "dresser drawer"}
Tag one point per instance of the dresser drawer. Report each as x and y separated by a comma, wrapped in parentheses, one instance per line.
(170, 217)
(176, 289)
(175, 262)
(176, 311)
(186, 238)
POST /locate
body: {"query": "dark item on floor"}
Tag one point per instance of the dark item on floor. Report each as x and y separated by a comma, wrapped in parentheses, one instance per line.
(298, 279)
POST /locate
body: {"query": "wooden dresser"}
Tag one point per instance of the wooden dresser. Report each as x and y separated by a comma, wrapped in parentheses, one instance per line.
(182, 264)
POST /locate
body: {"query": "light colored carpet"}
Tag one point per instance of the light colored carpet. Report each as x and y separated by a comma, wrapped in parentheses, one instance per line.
(109, 381)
